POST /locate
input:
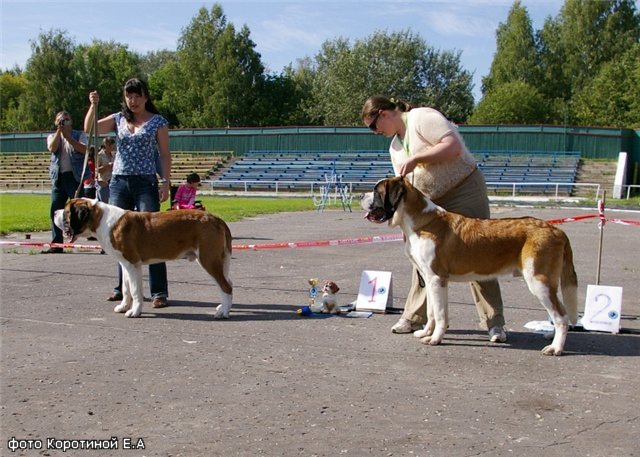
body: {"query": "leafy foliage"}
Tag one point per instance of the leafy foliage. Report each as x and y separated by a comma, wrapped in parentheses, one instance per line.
(12, 85)
(512, 103)
(399, 65)
(580, 67)
(214, 79)
(515, 58)
(612, 98)
(574, 56)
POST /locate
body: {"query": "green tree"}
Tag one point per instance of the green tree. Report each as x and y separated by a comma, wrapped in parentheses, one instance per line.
(162, 69)
(447, 86)
(215, 79)
(612, 98)
(514, 102)
(574, 47)
(302, 77)
(49, 78)
(12, 86)
(399, 65)
(551, 55)
(594, 33)
(59, 75)
(103, 66)
(280, 101)
(564, 63)
(516, 56)
(154, 61)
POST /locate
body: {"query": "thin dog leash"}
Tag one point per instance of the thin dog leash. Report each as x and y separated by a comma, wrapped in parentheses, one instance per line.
(92, 141)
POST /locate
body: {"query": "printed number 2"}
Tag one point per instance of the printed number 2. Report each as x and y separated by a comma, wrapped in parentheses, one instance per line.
(373, 289)
(607, 302)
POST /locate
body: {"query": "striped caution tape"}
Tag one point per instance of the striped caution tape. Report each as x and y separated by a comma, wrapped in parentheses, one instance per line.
(303, 244)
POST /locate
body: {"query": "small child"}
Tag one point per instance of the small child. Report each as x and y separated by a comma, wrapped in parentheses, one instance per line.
(185, 197)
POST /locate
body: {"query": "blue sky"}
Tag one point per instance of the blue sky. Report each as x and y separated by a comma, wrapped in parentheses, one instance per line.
(283, 31)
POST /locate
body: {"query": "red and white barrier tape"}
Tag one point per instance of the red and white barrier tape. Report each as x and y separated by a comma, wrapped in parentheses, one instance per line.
(304, 244)
(309, 244)
(623, 222)
(236, 247)
(571, 219)
(32, 244)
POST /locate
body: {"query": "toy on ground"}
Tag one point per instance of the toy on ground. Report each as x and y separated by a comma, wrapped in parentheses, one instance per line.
(329, 304)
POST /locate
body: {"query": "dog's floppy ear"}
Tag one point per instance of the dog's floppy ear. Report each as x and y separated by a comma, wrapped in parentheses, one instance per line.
(79, 217)
(394, 191)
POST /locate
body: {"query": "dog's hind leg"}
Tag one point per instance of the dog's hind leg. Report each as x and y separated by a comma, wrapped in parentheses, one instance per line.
(569, 284)
(560, 322)
(547, 293)
(218, 268)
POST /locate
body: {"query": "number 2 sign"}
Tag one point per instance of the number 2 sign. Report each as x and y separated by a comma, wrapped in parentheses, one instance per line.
(603, 308)
(375, 291)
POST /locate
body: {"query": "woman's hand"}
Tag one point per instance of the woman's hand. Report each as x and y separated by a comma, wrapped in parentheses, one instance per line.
(94, 97)
(164, 190)
(408, 166)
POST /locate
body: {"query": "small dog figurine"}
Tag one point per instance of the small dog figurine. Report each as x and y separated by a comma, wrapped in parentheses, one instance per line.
(330, 297)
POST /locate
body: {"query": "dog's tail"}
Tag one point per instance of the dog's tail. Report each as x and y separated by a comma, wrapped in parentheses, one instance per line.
(569, 283)
(228, 239)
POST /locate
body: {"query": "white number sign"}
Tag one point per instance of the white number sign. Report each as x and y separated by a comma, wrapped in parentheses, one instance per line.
(375, 292)
(603, 308)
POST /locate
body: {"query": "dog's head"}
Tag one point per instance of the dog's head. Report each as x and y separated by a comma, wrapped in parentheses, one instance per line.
(382, 203)
(330, 287)
(77, 218)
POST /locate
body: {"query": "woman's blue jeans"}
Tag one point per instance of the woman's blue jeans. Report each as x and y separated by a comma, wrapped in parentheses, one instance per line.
(140, 193)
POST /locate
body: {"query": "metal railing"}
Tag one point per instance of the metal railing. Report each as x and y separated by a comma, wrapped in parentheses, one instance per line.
(312, 187)
(630, 187)
(515, 186)
(559, 190)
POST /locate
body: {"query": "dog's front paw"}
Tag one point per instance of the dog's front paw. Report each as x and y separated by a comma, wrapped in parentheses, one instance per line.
(434, 339)
(422, 333)
(121, 308)
(222, 312)
(133, 313)
(551, 350)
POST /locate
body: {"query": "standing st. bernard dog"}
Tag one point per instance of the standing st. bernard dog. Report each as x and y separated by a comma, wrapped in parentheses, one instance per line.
(446, 246)
(141, 238)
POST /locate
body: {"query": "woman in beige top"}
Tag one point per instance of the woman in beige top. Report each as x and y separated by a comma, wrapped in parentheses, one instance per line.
(429, 151)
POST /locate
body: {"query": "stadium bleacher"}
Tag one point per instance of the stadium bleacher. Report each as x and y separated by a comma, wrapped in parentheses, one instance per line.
(24, 170)
(295, 170)
(533, 171)
(30, 171)
(362, 168)
(290, 169)
(203, 163)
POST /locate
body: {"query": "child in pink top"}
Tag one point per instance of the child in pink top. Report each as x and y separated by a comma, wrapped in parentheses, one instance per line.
(186, 194)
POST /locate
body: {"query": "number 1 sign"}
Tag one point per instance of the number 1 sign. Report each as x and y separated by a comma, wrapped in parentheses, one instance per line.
(375, 291)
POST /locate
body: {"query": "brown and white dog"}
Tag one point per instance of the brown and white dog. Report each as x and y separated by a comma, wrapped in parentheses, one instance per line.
(330, 297)
(141, 238)
(446, 246)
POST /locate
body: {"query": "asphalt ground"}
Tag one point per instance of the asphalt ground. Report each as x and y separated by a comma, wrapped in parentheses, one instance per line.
(175, 382)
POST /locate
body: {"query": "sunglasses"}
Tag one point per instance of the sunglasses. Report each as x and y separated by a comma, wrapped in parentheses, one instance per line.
(373, 123)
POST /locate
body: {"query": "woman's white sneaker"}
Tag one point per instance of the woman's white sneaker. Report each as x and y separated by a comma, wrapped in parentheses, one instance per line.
(405, 326)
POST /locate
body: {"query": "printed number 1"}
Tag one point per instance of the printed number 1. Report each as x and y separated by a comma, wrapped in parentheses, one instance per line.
(373, 289)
